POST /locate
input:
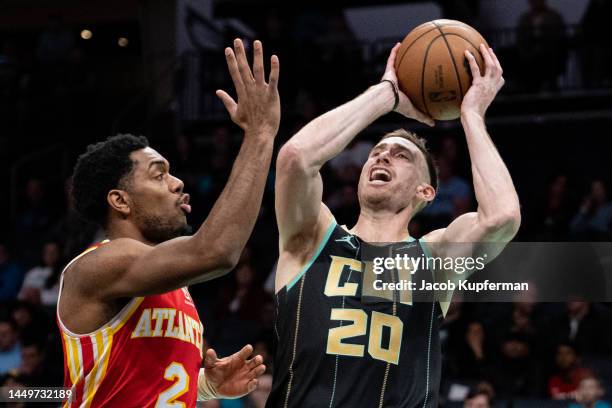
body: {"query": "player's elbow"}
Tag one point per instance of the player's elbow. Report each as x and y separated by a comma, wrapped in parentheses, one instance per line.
(225, 258)
(504, 223)
(291, 160)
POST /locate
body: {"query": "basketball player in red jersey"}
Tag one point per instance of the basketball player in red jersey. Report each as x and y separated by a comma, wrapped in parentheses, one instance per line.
(131, 333)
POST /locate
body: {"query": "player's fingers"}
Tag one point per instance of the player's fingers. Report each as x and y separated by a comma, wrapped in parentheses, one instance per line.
(423, 118)
(252, 385)
(254, 362)
(245, 352)
(496, 61)
(392, 55)
(473, 64)
(211, 358)
(232, 65)
(227, 100)
(489, 64)
(243, 63)
(258, 66)
(274, 71)
(257, 371)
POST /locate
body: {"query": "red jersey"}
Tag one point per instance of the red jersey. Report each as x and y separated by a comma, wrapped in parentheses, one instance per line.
(148, 355)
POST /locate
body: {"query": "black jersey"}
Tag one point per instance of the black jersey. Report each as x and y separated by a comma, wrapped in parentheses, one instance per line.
(334, 348)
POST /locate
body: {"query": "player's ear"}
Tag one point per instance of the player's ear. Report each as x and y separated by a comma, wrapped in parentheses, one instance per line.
(119, 200)
(426, 192)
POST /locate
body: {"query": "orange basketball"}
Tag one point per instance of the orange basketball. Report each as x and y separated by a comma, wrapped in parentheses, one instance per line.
(432, 69)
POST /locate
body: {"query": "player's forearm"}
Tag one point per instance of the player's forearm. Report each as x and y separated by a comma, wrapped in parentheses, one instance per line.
(498, 204)
(232, 218)
(326, 136)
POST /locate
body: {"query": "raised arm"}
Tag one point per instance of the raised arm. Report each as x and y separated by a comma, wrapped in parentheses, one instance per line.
(126, 267)
(299, 188)
(498, 216)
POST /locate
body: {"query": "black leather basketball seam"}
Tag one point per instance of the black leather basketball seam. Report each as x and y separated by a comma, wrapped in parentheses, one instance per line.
(473, 46)
(423, 74)
(452, 57)
(411, 44)
(418, 38)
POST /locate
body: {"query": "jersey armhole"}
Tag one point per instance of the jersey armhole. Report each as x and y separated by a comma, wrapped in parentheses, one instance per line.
(314, 257)
(444, 305)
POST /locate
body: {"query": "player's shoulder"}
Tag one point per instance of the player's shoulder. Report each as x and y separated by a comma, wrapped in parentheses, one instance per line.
(429, 242)
(104, 261)
(433, 236)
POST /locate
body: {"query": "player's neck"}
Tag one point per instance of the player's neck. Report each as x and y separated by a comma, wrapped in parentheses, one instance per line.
(382, 226)
(124, 229)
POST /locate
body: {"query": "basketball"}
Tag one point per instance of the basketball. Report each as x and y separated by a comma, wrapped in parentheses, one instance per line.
(432, 69)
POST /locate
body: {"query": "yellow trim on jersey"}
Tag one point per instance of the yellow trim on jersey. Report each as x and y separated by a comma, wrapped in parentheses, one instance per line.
(76, 358)
(125, 315)
(102, 351)
(69, 359)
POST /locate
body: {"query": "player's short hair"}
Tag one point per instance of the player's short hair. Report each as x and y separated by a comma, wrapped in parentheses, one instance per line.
(420, 143)
(103, 167)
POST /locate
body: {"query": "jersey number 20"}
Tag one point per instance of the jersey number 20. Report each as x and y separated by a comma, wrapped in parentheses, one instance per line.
(358, 327)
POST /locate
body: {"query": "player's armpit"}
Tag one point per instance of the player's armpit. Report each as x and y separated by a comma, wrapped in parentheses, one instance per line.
(297, 252)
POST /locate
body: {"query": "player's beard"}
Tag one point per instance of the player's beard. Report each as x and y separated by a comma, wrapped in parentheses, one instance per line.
(158, 230)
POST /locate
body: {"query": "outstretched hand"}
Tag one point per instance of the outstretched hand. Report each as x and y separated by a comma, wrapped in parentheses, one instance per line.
(405, 106)
(484, 87)
(233, 376)
(257, 110)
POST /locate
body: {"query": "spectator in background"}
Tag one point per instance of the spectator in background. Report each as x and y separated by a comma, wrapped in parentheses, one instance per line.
(597, 54)
(34, 220)
(33, 367)
(240, 308)
(517, 374)
(479, 396)
(589, 394)
(453, 196)
(568, 373)
(585, 325)
(470, 355)
(10, 348)
(13, 381)
(542, 47)
(11, 275)
(41, 283)
(594, 219)
(32, 320)
(553, 212)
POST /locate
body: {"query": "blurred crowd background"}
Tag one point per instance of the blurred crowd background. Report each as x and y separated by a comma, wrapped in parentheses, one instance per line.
(72, 74)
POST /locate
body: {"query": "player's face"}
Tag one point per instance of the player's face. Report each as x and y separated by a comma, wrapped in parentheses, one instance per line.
(396, 170)
(157, 202)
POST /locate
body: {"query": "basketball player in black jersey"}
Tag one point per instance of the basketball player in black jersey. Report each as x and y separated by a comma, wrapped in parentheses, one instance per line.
(333, 349)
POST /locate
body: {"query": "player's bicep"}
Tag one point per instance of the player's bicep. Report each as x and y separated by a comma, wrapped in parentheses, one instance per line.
(466, 236)
(104, 272)
(128, 268)
(298, 194)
